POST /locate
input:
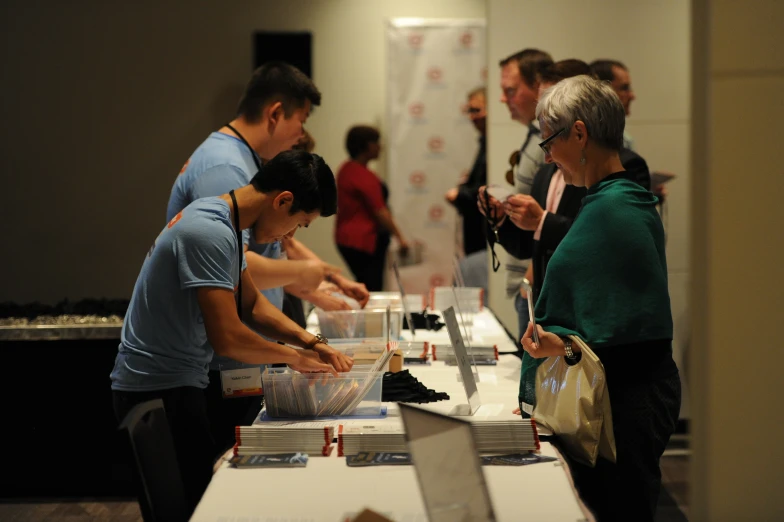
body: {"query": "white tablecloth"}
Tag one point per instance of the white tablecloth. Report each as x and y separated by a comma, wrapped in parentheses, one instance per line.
(328, 490)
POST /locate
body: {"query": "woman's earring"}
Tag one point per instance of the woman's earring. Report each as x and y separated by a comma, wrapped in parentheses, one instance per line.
(582, 158)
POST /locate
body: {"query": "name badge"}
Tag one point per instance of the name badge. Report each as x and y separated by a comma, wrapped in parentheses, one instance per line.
(242, 382)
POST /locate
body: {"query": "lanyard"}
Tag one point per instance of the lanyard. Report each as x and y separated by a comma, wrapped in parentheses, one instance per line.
(239, 251)
(252, 152)
(237, 217)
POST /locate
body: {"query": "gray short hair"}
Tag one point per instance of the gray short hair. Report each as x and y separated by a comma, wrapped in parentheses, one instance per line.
(591, 101)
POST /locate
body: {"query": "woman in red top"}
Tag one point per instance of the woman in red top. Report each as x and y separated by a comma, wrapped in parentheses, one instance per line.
(364, 223)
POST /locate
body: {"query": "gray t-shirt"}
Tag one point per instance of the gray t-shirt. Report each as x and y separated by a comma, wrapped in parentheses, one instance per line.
(163, 341)
(531, 159)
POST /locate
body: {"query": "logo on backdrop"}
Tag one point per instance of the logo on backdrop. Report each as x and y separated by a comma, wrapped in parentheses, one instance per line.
(416, 110)
(436, 217)
(465, 43)
(416, 183)
(467, 39)
(435, 77)
(436, 145)
(415, 41)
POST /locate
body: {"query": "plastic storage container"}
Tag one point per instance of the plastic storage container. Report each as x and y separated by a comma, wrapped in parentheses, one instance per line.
(289, 394)
(469, 300)
(380, 324)
(415, 302)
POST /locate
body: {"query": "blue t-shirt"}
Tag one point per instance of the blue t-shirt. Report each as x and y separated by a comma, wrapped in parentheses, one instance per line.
(219, 165)
(163, 341)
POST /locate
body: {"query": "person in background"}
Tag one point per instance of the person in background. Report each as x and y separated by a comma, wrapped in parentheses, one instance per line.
(474, 265)
(617, 75)
(193, 288)
(519, 92)
(277, 101)
(607, 284)
(364, 223)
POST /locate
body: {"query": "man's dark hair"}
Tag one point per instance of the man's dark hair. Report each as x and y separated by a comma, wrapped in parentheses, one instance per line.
(563, 69)
(305, 175)
(358, 139)
(530, 62)
(273, 82)
(602, 69)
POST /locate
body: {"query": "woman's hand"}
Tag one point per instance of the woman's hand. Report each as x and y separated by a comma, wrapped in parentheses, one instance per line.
(549, 344)
(523, 211)
(496, 207)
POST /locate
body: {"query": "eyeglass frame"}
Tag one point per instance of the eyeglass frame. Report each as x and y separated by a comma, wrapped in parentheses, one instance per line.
(545, 145)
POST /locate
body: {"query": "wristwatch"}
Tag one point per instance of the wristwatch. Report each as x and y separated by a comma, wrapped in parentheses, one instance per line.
(568, 348)
(318, 339)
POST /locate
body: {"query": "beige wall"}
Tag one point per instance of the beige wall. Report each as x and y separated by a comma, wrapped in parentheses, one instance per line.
(652, 38)
(738, 290)
(102, 103)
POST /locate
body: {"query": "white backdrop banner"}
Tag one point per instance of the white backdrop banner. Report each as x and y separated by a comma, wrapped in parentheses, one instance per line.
(432, 66)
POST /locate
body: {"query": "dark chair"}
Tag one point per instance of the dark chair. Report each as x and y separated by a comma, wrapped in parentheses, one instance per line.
(160, 489)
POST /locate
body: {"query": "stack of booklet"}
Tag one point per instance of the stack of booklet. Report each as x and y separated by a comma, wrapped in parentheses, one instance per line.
(290, 394)
(484, 355)
(491, 436)
(313, 438)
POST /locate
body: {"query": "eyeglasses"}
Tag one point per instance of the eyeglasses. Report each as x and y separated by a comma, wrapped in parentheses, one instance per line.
(545, 145)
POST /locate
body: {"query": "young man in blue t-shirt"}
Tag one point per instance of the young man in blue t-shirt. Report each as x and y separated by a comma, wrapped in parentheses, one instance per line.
(187, 294)
(277, 101)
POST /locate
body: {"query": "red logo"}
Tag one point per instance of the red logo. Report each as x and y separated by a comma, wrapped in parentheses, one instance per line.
(185, 166)
(415, 40)
(174, 220)
(437, 280)
(416, 110)
(436, 212)
(434, 74)
(417, 179)
(466, 39)
(436, 144)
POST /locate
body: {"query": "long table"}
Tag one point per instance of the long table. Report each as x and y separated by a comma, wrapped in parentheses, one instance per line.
(328, 490)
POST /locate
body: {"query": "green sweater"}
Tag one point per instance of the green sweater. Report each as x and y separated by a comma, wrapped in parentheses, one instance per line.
(607, 280)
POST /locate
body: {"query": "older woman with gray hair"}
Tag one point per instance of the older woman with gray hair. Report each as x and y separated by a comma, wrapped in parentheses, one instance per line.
(607, 284)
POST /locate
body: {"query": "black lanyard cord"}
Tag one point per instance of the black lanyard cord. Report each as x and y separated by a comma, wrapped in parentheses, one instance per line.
(237, 216)
(252, 152)
(239, 251)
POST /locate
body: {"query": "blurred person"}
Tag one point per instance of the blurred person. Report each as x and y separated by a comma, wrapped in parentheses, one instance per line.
(274, 106)
(607, 284)
(519, 92)
(193, 287)
(474, 265)
(617, 75)
(364, 223)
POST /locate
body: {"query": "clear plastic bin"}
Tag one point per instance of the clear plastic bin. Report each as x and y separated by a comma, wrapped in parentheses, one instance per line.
(289, 394)
(415, 302)
(469, 300)
(380, 324)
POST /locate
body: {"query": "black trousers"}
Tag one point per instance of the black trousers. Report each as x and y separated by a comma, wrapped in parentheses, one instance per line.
(645, 412)
(226, 414)
(186, 413)
(367, 268)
